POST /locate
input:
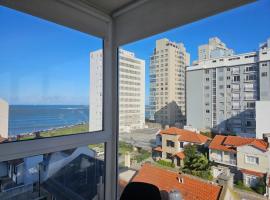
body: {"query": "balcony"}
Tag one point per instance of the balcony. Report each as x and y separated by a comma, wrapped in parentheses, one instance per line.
(231, 162)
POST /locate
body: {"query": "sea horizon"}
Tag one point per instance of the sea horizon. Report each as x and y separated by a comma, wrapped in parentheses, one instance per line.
(25, 119)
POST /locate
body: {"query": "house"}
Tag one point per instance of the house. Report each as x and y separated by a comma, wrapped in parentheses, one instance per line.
(246, 157)
(170, 143)
(189, 187)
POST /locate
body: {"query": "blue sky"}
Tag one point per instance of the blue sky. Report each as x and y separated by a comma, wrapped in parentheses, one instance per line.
(44, 63)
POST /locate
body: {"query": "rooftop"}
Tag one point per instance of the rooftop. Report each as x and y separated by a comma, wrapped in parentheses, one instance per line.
(185, 135)
(229, 143)
(165, 180)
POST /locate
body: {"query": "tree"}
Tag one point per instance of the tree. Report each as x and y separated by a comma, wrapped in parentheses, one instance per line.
(196, 163)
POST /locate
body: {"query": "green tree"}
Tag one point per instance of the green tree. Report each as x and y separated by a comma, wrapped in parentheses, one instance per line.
(196, 163)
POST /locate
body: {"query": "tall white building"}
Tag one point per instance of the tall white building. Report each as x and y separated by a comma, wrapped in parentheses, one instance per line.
(167, 83)
(222, 92)
(214, 49)
(96, 90)
(131, 91)
(4, 114)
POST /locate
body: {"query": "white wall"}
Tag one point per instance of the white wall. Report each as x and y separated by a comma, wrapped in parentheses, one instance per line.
(4, 111)
(262, 118)
(96, 90)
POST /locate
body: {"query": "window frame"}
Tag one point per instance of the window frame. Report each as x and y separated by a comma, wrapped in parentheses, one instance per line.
(108, 135)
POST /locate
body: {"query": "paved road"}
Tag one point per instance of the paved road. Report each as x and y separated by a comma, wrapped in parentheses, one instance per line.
(144, 138)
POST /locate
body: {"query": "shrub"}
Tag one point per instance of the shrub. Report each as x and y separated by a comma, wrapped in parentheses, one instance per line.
(166, 163)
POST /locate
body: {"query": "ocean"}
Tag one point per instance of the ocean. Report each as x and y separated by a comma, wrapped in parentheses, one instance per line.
(31, 118)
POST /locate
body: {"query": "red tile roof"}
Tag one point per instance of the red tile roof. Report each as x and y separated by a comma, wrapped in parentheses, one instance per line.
(165, 180)
(245, 171)
(180, 155)
(158, 149)
(185, 135)
(229, 143)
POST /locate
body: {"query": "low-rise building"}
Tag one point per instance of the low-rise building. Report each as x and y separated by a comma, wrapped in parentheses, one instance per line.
(171, 142)
(246, 157)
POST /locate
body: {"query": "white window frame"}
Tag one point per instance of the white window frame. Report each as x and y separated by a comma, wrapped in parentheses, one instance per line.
(250, 180)
(248, 161)
(108, 135)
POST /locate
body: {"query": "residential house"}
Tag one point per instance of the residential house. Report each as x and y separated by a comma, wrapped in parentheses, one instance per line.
(189, 187)
(246, 157)
(171, 142)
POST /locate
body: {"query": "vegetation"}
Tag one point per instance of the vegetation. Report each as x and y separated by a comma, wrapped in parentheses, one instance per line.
(166, 163)
(143, 155)
(260, 187)
(80, 128)
(240, 185)
(124, 147)
(196, 163)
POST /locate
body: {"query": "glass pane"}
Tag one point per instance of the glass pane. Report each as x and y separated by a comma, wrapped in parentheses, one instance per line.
(70, 174)
(46, 76)
(205, 102)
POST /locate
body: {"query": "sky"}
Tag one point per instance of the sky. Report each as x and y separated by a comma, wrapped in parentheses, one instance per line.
(45, 63)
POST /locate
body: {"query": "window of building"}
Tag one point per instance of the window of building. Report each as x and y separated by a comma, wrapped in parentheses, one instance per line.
(252, 160)
(170, 143)
(228, 86)
(251, 180)
(207, 111)
(168, 156)
(250, 77)
(236, 78)
(264, 74)
(181, 144)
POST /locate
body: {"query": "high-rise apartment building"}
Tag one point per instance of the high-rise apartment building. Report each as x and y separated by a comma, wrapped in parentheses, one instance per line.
(96, 90)
(221, 92)
(214, 49)
(131, 91)
(167, 83)
(4, 112)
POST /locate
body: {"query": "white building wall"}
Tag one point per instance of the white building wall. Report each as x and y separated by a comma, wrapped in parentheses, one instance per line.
(131, 91)
(262, 118)
(96, 90)
(4, 114)
(167, 83)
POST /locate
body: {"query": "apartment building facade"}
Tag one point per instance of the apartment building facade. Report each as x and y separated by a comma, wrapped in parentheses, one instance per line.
(4, 113)
(221, 92)
(214, 49)
(131, 91)
(167, 83)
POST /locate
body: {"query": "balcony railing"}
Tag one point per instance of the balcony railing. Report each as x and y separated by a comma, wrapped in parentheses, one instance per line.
(220, 160)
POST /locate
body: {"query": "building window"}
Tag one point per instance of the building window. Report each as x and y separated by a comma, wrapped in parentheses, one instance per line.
(206, 71)
(228, 86)
(251, 180)
(170, 143)
(181, 144)
(264, 74)
(207, 111)
(168, 155)
(228, 69)
(236, 78)
(250, 104)
(252, 160)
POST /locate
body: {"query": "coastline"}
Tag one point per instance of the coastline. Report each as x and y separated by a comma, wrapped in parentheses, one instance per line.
(64, 130)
